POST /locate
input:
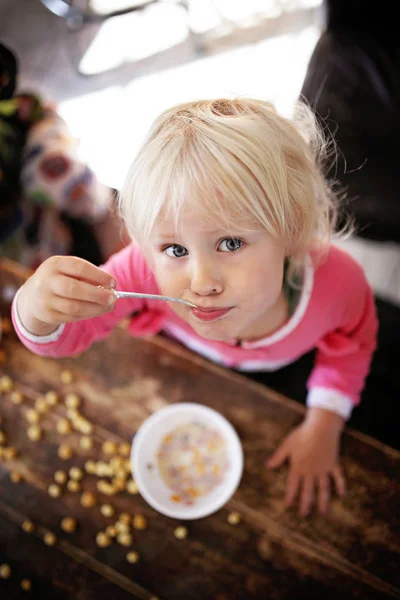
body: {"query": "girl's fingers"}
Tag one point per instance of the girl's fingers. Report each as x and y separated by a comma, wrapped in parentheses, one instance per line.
(77, 309)
(79, 268)
(307, 496)
(292, 487)
(324, 493)
(58, 318)
(340, 482)
(279, 456)
(70, 288)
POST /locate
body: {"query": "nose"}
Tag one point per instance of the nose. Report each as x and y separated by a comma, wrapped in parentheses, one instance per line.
(205, 278)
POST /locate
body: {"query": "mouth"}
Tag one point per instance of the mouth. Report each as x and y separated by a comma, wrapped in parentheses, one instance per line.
(210, 314)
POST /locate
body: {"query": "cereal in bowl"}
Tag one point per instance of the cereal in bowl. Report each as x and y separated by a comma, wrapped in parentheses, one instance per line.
(192, 460)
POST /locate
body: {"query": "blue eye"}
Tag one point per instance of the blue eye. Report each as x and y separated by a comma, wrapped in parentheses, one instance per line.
(230, 245)
(175, 251)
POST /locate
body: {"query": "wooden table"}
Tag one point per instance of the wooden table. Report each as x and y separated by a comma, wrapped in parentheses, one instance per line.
(272, 554)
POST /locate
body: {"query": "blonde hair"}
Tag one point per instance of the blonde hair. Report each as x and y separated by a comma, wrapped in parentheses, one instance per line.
(234, 160)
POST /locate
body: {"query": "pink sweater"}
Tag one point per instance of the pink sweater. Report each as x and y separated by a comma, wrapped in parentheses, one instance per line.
(335, 314)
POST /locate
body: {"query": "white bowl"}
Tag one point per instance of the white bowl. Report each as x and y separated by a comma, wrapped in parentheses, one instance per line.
(146, 444)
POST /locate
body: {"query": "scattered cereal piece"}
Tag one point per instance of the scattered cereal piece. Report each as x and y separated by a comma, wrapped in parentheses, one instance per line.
(86, 442)
(120, 474)
(6, 326)
(16, 397)
(107, 510)
(28, 526)
(10, 453)
(66, 377)
(90, 467)
(132, 557)
(5, 571)
(16, 477)
(124, 518)
(64, 426)
(68, 524)
(83, 426)
(102, 539)
(121, 527)
(72, 400)
(109, 447)
(73, 486)
(88, 499)
(41, 405)
(73, 414)
(103, 469)
(34, 433)
(60, 477)
(3, 438)
(153, 598)
(139, 522)
(234, 518)
(26, 585)
(119, 484)
(64, 452)
(117, 462)
(6, 384)
(125, 539)
(106, 488)
(32, 416)
(51, 398)
(111, 531)
(127, 466)
(124, 449)
(132, 488)
(180, 533)
(75, 473)
(54, 490)
(50, 539)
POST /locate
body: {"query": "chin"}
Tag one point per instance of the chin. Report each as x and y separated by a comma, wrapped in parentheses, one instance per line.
(213, 332)
(215, 337)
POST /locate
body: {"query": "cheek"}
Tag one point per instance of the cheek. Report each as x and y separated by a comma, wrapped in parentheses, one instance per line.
(170, 280)
(262, 280)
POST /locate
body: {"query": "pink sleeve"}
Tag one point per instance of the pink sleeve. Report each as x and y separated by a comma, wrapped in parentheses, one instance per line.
(344, 355)
(131, 273)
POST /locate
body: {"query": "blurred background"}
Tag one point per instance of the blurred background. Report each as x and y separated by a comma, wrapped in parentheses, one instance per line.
(111, 66)
(111, 76)
(82, 80)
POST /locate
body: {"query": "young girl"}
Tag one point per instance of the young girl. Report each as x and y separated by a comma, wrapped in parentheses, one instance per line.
(228, 209)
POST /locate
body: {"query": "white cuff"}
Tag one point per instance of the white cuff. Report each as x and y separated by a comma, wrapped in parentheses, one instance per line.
(330, 399)
(37, 339)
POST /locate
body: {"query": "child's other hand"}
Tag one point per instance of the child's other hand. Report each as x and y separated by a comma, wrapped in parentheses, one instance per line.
(313, 452)
(64, 289)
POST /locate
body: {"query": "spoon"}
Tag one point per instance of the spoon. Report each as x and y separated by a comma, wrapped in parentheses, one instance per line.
(118, 294)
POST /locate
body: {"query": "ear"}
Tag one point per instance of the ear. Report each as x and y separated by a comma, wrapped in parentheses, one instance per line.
(292, 251)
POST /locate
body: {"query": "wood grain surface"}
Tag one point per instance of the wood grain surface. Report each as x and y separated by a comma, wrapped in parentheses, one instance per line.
(353, 552)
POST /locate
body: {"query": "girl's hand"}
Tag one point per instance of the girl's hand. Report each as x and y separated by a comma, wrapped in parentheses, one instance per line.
(64, 289)
(313, 452)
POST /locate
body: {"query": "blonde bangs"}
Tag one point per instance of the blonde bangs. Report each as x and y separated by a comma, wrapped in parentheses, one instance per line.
(232, 162)
(193, 173)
